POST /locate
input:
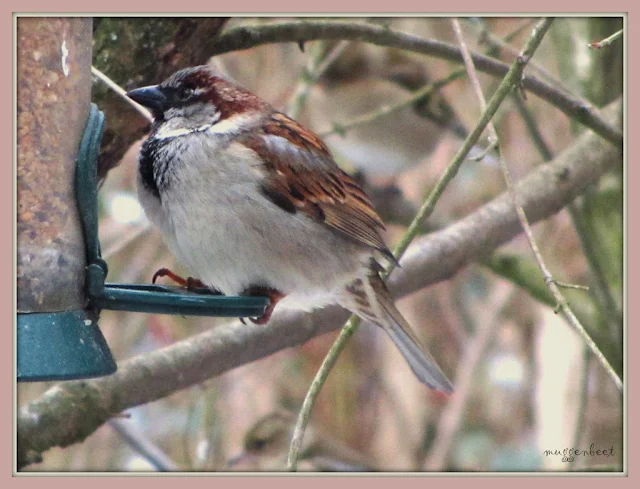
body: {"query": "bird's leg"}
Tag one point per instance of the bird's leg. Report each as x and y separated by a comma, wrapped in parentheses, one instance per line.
(260, 291)
(189, 283)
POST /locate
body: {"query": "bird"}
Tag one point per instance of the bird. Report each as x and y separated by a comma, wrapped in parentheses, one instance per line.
(266, 446)
(254, 204)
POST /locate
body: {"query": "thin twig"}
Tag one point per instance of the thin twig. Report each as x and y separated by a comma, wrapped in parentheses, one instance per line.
(583, 395)
(307, 79)
(143, 446)
(571, 286)
(211, 457)
(473, 78)
(317, 64)
(314, 389)
(602, 295)
(475, 83)
(451, 417)
(120, 91)
(532, 128)
(563, 305)
(190, 421)
(331, 57)
(494, 41)
(606, 42)
(342, 127)
(524, 25)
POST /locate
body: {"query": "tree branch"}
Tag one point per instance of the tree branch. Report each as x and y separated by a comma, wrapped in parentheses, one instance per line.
(246, 37)
(71, 411)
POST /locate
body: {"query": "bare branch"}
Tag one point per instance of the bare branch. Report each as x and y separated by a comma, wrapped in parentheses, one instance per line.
(606, 42)
(122, 93)
(247, 37)
(553, 285)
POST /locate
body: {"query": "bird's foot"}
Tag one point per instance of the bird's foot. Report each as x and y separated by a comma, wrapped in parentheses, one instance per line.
(189, 283)
(260, 291)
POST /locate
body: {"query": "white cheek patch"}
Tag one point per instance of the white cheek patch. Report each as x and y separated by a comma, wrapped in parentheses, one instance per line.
(227, 126)
(230, 125)
(174, 133)
(166, 132)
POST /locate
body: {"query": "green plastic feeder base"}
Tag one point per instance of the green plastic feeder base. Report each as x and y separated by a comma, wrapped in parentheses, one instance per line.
(63, 345)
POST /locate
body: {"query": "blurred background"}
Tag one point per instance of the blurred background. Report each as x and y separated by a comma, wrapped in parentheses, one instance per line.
(528, 383)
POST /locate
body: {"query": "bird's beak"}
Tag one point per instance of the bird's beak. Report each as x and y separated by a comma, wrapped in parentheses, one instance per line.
(150, 97)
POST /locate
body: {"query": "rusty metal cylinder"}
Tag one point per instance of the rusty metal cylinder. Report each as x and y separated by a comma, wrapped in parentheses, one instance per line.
(54, 94)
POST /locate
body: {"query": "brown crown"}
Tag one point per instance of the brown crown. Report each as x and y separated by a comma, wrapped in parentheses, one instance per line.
(227, 96)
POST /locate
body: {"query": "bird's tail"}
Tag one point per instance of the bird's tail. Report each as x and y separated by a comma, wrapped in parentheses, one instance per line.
(372, 302)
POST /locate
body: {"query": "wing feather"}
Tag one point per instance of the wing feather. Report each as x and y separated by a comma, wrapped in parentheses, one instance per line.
(302, 176)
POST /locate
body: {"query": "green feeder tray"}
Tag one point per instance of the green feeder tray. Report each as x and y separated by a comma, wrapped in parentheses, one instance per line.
(69, 345)
(63, 345)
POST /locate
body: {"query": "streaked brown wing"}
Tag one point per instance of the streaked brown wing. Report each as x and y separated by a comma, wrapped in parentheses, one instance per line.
(302, 176)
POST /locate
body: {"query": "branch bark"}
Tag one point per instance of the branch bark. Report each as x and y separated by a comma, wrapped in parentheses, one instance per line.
(71, 411)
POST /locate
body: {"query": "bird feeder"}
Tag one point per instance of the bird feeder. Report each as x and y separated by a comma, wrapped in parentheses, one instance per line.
(57, 335)
(61, 274)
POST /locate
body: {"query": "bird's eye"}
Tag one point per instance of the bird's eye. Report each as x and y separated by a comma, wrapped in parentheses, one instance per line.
(184, 93)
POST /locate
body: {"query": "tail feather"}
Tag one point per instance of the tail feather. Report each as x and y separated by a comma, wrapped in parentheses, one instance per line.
(420, 361)
(384, 313)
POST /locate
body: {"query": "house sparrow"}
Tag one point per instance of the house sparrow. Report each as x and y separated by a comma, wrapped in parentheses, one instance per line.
(253, 203)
